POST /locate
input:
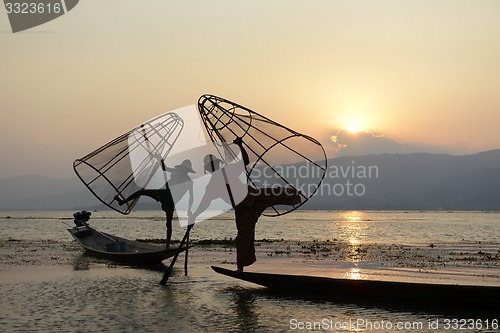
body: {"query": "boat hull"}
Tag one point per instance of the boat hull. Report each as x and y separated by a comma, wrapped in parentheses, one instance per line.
(103, 245)
(441, 297)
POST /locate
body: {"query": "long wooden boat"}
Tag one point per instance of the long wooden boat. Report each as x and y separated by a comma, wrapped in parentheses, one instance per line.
(103, 245)
(427, 296)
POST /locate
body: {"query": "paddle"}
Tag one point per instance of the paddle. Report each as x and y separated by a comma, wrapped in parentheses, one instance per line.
(168, 271)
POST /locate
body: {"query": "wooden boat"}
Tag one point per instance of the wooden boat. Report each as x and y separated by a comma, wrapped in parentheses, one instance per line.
(116, 248)
(441, 297)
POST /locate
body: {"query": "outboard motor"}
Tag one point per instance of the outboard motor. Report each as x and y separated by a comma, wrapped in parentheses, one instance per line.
(81, 218)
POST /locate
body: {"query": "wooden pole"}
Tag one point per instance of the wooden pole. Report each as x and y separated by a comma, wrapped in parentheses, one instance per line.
(168, 271)
(186, 256)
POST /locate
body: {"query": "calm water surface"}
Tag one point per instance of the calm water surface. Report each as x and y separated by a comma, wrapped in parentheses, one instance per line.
(97, 297)
(395, 227)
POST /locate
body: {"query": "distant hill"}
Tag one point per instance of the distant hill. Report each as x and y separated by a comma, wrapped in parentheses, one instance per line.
(387, 181)
(415, 181)
(37, 192)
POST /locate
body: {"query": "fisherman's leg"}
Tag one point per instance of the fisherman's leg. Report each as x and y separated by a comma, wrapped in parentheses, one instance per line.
(169, 216)
(245, 239)
(133, 196)
(267, 197)
(280, 196)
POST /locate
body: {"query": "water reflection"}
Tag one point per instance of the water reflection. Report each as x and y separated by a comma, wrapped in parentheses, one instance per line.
(245, 310)
(353, 216)
(355, 273)
(353, 228)
(81, 262)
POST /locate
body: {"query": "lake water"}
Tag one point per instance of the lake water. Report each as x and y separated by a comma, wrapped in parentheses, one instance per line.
(91, 295)
(385, 227)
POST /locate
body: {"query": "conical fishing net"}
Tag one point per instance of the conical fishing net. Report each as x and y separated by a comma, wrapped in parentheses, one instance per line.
(110, 172)
(279, 156)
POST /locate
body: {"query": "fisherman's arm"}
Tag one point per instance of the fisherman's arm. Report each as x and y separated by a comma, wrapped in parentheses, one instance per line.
(191, 198)
(204, 204)
(168, 169)
(239, 141)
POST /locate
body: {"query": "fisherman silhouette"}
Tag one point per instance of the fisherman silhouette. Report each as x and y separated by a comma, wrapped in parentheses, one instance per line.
(248, 211)
(183, 184)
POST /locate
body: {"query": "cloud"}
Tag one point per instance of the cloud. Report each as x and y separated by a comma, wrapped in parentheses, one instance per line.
(347, 143)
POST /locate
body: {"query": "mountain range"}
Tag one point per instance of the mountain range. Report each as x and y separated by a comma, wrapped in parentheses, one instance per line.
(416, 181)
(421, 181)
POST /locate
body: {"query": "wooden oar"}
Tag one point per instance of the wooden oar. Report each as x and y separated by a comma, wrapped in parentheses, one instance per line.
(168, 271)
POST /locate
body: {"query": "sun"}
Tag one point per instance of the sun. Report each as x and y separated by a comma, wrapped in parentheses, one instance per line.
(353, 123)
(356, 117)
(354, 128)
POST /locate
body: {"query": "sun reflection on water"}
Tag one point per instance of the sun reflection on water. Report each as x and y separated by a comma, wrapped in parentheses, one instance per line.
(353, 227)
(353, 216)
(354, 274)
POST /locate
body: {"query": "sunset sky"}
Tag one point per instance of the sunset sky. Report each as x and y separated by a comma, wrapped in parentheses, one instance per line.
(363, 76)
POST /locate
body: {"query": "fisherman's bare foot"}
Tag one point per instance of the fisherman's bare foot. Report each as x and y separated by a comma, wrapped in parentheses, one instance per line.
(120, 201)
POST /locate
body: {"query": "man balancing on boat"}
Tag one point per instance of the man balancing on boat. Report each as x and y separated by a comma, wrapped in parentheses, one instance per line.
(180, 179)
(248, 211)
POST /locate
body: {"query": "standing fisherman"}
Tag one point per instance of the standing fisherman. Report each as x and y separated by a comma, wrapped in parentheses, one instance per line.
(180, 178)
(248, 211)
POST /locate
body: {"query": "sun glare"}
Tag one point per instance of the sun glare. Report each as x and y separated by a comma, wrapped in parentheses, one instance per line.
(354, 128)
(356, 118)
(354, 124)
